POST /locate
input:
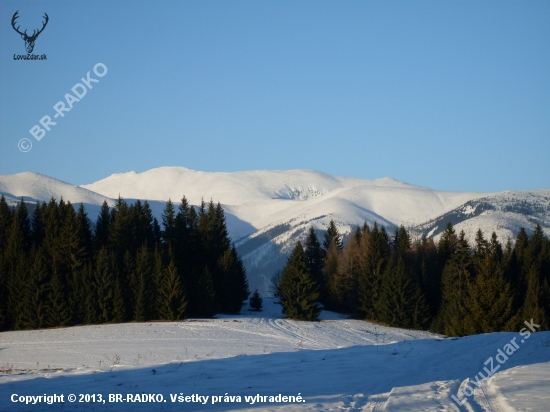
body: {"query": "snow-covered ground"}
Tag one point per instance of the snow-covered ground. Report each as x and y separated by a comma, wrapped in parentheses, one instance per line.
(334, 364)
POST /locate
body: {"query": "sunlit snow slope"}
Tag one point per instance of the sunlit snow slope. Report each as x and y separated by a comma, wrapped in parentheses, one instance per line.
(335, 364)
(268, 211)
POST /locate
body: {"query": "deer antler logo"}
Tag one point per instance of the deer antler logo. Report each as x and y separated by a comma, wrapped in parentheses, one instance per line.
(29, 40)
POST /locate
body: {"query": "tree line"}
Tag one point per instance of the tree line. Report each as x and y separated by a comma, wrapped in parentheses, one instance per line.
(59, 269)
(449, 287)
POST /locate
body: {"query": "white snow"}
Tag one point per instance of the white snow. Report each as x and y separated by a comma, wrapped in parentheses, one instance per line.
(268, 211)
(263, 197)
(335, 364)
(34, 187)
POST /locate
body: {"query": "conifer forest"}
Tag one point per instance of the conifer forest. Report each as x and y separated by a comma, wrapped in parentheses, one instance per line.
(57, 268)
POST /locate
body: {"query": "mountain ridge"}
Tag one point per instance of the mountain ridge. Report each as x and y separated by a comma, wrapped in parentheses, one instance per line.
(267, 211)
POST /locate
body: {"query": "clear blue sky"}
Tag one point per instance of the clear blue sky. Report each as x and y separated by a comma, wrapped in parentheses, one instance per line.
(453, 95)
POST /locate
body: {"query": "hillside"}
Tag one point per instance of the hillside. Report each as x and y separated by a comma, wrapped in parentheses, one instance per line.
(335, 364)
(267, 211)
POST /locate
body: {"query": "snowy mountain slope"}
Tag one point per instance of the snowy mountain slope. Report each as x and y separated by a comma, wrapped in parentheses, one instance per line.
(260, 197)
(37, 187)
(268, 211)
(334, 364)
(34, 187)
(504, 213)
(265, 251)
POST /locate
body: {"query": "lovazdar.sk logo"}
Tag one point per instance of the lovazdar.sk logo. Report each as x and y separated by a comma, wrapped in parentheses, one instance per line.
(29, 39)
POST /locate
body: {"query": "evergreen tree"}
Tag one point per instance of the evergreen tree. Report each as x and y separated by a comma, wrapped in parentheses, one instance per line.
(274, 283)
(373, 266)
(533, 307)
(256, 301)
(89, 302)
(102, 227)
(169, 227)
(429, 273)
(22, 219)
(105, 284)
(14, 275)
(488, 304)
(332, 235)
(5, 221)
(402, 303)
(205, 304)
(60, 311)
(298, 291)
(143, 285)
(234, 286)
(457, 273)
(171, 301)
(328, 295)
(119, 308)
(447, 245)
(482, 246)
(121, 231)
(314, 259)
(35, 306)
(402, 241)
(38, 225)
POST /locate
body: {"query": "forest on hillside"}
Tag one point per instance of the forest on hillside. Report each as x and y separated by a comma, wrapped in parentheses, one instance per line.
(57, 268)
(449, 287)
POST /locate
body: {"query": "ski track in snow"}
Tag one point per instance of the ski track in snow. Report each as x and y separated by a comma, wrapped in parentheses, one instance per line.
(336, 363)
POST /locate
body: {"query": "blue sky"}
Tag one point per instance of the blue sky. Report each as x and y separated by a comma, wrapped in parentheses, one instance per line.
(453, 95)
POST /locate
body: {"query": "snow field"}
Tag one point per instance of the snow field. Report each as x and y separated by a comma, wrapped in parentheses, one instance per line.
(334, 364)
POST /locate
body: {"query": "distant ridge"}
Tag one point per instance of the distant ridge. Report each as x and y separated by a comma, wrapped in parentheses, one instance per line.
(267, 211)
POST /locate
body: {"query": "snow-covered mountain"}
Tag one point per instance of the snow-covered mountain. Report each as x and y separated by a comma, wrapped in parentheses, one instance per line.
(267, 211)
(503, 213)
(34, 187)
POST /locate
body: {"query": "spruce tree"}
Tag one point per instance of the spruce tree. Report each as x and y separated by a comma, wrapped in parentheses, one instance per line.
(533, 307)
(234, 286)
(102, 227)
(35, 306)
(402, 241)
(119, 308)
(22, 219)
(105, 283)
(171, 296)
(206, 304)
(143, 285)
(447, 245)
(169, 227)
(14, 274)
(328, 295)
(60, 310)
(457, 274)
(489, 303)
(5, 222)
(256, 301)
(298, 291)
(332, 235)
(373, 266)
(38, 225)
(401, 303)
(314, 258)
(429, 273)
